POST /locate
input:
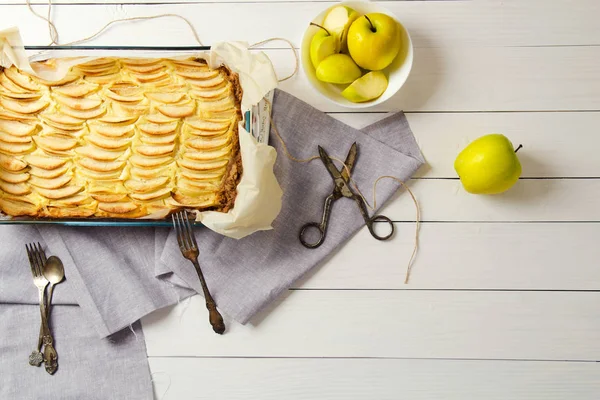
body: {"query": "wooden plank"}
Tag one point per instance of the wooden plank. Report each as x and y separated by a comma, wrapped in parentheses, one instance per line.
(392, 324)
(133, 2)
(442, 79)
(481, 79)
(528, 200)
(153, 2)
(431, 23)
(468, 256)
(354, 379)
(555, 144)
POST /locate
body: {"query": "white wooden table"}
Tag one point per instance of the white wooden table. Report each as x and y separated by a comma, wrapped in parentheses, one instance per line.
(504, 301)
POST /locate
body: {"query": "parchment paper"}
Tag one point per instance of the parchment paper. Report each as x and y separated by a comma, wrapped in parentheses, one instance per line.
(258, 200)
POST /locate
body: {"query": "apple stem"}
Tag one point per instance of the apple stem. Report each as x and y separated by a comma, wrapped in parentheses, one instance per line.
(372, 27)
(322, 27)
(518, 148)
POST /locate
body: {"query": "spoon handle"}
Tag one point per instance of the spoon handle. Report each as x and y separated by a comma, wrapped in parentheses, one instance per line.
(50, 357)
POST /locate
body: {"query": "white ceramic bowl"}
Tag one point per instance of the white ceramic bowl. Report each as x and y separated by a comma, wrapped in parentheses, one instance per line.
(397, 72)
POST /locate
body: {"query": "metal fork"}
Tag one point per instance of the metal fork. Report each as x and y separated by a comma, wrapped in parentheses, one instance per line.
(189, 249)
(37, 259)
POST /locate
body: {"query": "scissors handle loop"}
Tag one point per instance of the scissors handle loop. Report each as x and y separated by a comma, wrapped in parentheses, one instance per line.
(308, 226)
(322, 227)
(380, 218)
(369, 221)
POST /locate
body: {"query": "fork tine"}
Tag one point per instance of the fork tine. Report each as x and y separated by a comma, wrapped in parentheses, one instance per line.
(184, 233)
(31, 263)
(38, 256)
(33, 260)
(190, 232)
(36, 261)
(177, 230)
(43, 254)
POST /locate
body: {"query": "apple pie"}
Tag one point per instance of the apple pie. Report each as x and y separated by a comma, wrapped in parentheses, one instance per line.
(119, 138)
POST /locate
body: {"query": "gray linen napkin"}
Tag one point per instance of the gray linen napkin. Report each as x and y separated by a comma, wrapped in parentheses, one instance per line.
(245, 275)
(89, 367)
(114, 270)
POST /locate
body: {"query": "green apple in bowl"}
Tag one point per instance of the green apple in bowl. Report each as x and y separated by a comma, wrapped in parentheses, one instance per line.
(338, 21)
(374, 40)
(366, 88)
(338, 68)
(322, 45)
(488, 165)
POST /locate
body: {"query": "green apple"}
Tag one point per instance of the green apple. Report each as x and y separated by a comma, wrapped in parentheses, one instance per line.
(374, 40)
(322, 45)
(368, 87)
(338, 68)
(488, 165)
(338, 21)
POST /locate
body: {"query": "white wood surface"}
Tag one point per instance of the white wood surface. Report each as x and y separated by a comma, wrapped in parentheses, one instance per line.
(545, 136)
(393, 324)
(358, 379)
(533, 256)
(431, 23)
(503, 301)
(529, 200)
(555, 144)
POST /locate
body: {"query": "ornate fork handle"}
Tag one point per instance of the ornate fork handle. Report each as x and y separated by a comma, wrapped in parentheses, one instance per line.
(36, 358)
(215, 318)
(189, 249)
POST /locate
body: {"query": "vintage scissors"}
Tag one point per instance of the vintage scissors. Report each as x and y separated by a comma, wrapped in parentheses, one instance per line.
(342, 188)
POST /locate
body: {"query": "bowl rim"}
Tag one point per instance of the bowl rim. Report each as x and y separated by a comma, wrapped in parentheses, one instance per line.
(376, 8)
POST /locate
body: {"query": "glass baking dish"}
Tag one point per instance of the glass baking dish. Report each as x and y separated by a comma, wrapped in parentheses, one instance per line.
(47, 52)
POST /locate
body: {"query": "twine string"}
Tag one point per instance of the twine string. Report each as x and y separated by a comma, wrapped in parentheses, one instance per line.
(52, 31)
(291, 45)
(164, 395)
(133, 19)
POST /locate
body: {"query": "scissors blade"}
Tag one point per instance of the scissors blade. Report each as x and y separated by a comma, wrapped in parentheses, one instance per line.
(333, 171)
(350, 159)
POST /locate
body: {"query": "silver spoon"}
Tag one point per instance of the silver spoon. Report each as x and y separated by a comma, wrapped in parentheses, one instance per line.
(54, 272)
